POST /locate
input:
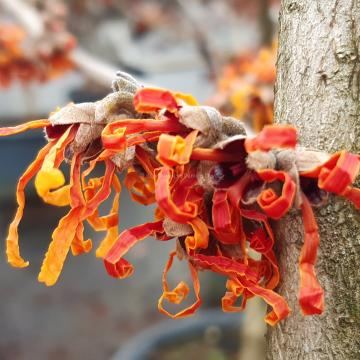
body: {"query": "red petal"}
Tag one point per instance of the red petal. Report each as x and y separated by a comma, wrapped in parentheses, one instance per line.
(236, 191)
(65, 232)
(79, 245)
(217, 155)
(353, 195)
(339, 172)
(181, 212)
(36, 124)
(128, 238)
(265, 245)
(12, 241)
(148, 100)
(280, 309)
(223, 265)
(180, 292)
(311, 296)
(226, 219)
(200, 239)
(272, 137)
(141, 188)
(175, 150)
(276, 206)
(120, 270)
(145, 159)
(114, 135)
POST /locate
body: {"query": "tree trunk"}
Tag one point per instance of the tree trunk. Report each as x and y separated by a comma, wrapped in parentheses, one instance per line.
(317, 90)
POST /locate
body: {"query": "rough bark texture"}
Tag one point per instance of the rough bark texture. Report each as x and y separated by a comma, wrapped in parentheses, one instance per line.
(318, 91)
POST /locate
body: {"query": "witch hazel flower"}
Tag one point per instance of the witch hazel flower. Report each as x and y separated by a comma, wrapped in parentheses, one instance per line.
(215, 190)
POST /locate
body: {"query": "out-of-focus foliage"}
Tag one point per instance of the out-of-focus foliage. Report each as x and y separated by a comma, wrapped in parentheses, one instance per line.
(245, 88)
(26, 58)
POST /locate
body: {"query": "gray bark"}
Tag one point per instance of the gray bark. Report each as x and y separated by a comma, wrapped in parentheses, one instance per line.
(318, 90)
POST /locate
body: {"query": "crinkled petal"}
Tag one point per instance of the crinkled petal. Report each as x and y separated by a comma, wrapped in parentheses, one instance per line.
(114, 136)
(148, 163)
(224, 265)
(12, 241)
(230, 298)
(280, 309)
(141, 188)
(263, 243)
(180, 292)
(122, 269)
(226, 219)
(79, 245)
(218, 155)
(311, 295)
(148, 100)
(273, 205)
(50, 177)
(339, 172)
(65, 232)
(36, 124)
(178, 212)
(128, 238)
(337, 175)
(111, 223)
(272, 137)
(175, 150)
(200, 239)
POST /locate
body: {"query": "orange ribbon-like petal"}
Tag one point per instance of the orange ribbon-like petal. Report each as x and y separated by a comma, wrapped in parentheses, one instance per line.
(79, 245)
(183, 211)
(126, 240)
(175, 150)
(50, 177)
(337, 175)
(148, 100)
(69, 227)
(276, 206)
(109, 222)
(272, 137)
(311, 295)
(339, 172)
(263, 243)
(180, 292)
(36, 124)
(226, 219)
(188, 99)
(200, 239)
(65, 232)
(141, 188)
(280, 309)
(90, 207)
(114, 136)
(12, 241)
(230, 298)
(122, 269)
(145, 159)
(224, 265)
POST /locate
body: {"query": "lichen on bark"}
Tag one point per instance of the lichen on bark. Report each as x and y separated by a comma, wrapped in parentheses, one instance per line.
(317, 90)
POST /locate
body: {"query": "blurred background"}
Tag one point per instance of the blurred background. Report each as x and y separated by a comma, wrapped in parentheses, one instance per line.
(53, 52)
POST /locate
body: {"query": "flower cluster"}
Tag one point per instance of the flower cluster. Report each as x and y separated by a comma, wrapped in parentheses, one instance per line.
(245, 88)
(215, 191)
(26, 60)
